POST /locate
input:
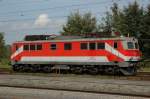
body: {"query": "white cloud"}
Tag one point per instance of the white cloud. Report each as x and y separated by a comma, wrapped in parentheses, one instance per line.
(42, 20)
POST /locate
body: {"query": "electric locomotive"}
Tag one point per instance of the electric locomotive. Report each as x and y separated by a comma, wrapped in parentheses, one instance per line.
(111, 55)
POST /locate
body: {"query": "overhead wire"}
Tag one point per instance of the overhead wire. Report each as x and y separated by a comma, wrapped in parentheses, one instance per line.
(58, 7)
(21, 2)
(51, 17)
(46, 27)
(50, 9)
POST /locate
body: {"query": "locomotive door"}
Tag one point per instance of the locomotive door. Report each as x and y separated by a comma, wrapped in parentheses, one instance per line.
(115, 46)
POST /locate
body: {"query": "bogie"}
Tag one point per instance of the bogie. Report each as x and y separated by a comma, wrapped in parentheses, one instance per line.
(77, 69)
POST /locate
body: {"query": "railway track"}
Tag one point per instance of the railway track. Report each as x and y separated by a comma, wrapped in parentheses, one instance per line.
(72, 84)
(5, 71)
(140, 76)
(81, 91)
(144, 76)
(144, 73)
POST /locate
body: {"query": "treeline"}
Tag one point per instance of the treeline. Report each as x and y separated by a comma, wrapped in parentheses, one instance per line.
(132, 20)
(4, 50)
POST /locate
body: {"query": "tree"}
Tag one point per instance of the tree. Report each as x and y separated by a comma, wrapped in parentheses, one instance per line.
(106, 25)
(2, 47)
(78, 24)
(132, 20)
(129, 20)
(146, 33)
(146, 23)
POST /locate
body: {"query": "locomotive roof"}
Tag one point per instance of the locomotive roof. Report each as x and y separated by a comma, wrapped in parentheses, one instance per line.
(77, 39)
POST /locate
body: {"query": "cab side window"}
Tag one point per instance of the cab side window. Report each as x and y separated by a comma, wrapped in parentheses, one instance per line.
(39, 46)
(92, 46)
(53, 46)
(16, 47)
(67, 46)
(32, 47)
(83, 46)
(136, 45)
(101, 45)
(115, 45)
(26, 47)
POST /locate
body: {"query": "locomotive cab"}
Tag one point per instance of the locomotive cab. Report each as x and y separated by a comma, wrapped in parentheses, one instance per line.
(132, 55)
(131, 47)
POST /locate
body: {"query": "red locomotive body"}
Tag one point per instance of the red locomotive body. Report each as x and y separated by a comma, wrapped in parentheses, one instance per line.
(94, 55)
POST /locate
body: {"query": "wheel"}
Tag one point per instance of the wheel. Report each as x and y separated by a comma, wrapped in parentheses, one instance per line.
(47, 69)
(15, 68)
(26, 68)
(77, 70)
(110, 70)
(19, 68)
(93, 71)
(34, 68)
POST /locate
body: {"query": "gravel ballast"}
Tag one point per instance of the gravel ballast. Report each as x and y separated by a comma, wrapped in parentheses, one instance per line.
(78, 84)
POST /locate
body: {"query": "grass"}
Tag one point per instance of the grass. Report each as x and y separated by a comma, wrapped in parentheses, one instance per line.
(146, 66)
(145, 69)
(5, 64)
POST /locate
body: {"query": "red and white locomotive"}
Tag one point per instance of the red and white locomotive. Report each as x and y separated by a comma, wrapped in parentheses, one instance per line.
(77, 54)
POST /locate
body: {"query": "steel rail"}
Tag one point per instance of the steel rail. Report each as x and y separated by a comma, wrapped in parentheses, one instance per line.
(70, 90)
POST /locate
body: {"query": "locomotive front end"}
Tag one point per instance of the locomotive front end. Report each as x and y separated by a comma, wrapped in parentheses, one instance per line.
(132, 55)
(132, 52)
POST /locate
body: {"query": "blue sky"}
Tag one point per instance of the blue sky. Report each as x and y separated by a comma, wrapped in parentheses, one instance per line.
(21, 17)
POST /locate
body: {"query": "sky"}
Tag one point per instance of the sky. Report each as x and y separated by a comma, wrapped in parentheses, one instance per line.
(29, 17)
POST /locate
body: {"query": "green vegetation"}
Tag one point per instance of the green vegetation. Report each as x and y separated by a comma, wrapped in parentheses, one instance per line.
(146, 69)
(146, 66)
(4, 53)
(5, 63)
(78, 24)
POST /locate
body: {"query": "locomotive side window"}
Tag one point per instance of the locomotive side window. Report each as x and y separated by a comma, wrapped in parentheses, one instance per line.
(92, 46)
(39, 47)
(67, 46)
(32, 47)
(100, 45)
(16, 47)
(53, 46)
(115, 45)
(83, 46)
(26, 47)
(130, 45)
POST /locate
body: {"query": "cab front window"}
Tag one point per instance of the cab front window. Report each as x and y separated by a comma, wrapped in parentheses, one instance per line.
(130, 45)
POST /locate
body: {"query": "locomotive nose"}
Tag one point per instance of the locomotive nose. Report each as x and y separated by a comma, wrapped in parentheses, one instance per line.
(137, 55)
